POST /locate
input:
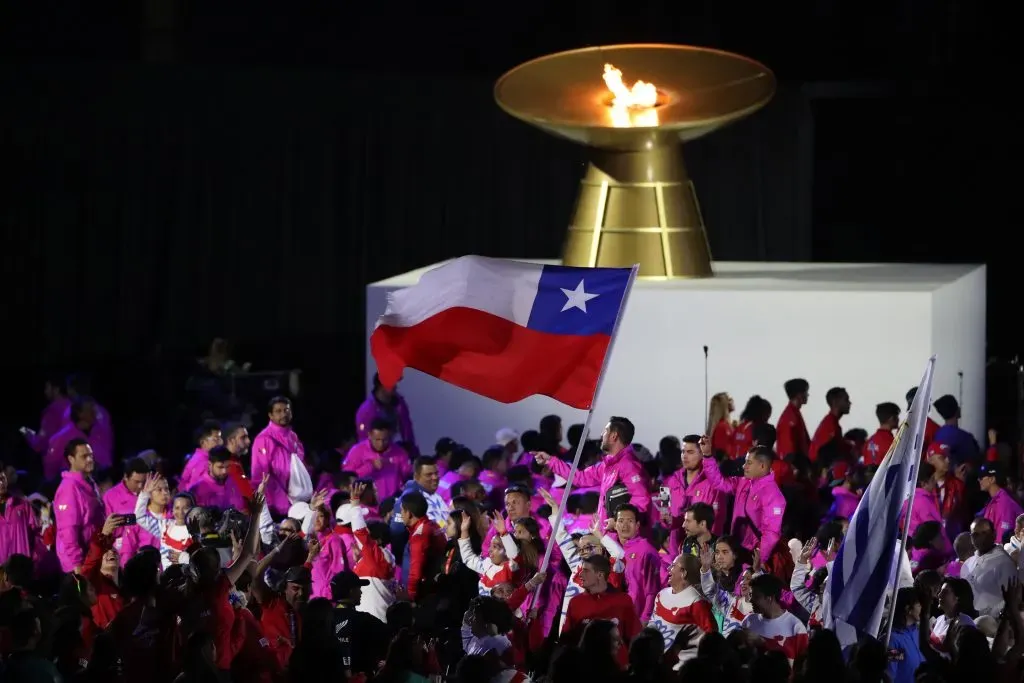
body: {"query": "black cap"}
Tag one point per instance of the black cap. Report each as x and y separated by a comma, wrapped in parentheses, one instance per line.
(298, 575)
(343, 583)
(992, 469)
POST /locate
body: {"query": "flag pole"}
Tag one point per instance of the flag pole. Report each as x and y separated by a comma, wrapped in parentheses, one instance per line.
(914, 469)
(555, 525)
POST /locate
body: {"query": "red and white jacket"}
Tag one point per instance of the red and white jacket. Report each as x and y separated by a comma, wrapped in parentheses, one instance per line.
(492, 574)
(673, 610)
(784, 633)
(376, 565)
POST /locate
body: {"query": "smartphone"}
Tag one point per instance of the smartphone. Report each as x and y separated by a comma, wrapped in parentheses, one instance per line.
(129, 520)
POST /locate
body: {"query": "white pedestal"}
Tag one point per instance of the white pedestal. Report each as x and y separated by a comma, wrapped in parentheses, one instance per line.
(867, 327)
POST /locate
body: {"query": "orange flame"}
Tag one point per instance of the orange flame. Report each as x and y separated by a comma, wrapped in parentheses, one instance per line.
(631, 107)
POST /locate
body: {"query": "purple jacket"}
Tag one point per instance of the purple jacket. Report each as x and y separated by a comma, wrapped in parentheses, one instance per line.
(50, 422)
(757, 511)
(371, 409)
(1002, 511)
(623, 467)
(101, 436)
(389, 478)
(120, 501)
(643, 575)
(272, 454)
(445, 484)
(18, 528)
(54, 462)
(196, 465)
(78, 514)
(699, 490)
(208, 492)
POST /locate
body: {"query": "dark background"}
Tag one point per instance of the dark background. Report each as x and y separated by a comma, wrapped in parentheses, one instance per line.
(179, 171)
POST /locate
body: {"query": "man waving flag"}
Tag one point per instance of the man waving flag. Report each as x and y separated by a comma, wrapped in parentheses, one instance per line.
(866, 566)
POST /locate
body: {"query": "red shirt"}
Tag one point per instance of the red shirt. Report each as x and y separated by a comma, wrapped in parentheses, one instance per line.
(425, 540)
(877, 446)
(722, 437)
(742, 439)
(610, 605)
(951, 493)
(237, 475)
(256, 662)
(930, 428)
(828, 431)
(108, 598)
(791, 432)
(213, 613)
(282, 627)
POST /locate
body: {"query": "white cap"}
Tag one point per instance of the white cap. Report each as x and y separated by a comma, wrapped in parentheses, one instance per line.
(302, 512)
(346, 513)
(505, 436)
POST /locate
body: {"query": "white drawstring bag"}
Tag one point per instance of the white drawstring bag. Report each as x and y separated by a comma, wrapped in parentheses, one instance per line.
(300, 486)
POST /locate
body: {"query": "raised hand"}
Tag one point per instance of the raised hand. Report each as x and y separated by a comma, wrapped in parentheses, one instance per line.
(313, 549)
(112, 523)
(152, 479)
(705, 446)
(755, 565)
(260, 497)
(355, 493)
(808, 550)
(467, 522)
(548, 498)
(706, 557)
(318, 499)
(596, 529)
(831, 550)
(497, 520)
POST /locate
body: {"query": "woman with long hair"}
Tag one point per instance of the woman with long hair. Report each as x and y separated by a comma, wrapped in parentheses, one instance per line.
(721, 569)
(720, 425)
(600, 643)
(757, 412)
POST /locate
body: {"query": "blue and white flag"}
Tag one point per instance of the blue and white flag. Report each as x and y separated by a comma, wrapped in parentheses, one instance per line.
(866, 564)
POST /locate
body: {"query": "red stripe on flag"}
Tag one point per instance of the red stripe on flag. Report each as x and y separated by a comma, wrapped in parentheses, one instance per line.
(492, 356)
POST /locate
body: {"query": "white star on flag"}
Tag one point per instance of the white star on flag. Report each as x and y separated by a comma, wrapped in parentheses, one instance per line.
(576, 298)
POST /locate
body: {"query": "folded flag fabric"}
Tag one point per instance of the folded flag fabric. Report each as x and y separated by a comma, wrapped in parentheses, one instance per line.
(504, 329)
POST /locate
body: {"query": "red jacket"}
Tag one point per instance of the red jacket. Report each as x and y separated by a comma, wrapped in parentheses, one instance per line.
(612, 605)
(426, 542)
(108, 598)
(791, 432)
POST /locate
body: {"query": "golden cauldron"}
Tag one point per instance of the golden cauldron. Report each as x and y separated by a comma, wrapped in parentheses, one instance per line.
(636, 203)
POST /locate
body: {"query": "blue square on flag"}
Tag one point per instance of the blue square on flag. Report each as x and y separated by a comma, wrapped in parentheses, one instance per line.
(578, 301)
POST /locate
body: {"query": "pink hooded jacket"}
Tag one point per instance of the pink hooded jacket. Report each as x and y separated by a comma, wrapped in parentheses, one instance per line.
(18, 528)
(370, 409)
(208, 492)
(120, 501)
(683, 495)
(758, 509)
(623, 467)
(101, 437)
(643, 574)
(332, 558)
(50, 422)
(196, 465)
(272, 454)
(54, 461)
(78, 514)
(389, 478)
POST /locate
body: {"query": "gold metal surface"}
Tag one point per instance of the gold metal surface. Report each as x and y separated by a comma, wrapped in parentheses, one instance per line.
(636, 203)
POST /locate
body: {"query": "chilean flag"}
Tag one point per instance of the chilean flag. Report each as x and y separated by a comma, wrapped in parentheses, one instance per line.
(504, 329)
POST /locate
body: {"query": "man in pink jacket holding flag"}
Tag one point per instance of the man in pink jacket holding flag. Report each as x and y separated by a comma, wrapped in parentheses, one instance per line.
(619, 466)
(77, 506)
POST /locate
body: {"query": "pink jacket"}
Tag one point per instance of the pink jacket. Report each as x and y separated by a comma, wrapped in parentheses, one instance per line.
(844, 503)
(1002, 511)
(208, 492)
(101, 437)
(757, 511)
(389, 478)
(120, 501)
(699, 490)
(370, 409)
(332, 558)
(623, 467)
(18, 528)
(492, 481)
(926, 509)
(78, 514)
(643, 575)
(272, 453)
(196, 465)
(50, 422)
(445, 484)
